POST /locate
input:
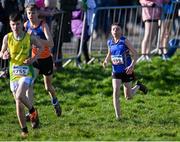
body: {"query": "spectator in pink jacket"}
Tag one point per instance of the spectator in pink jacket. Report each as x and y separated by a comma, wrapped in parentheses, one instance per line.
(151, 13)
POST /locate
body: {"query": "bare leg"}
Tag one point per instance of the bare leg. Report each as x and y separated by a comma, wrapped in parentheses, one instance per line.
(20, 95)
(165, 28)
(116, 90)
(21, 101)
(48, 85)
(20, 114)
(51, 91)
(30, 93)
(129, 91)
(149, 34)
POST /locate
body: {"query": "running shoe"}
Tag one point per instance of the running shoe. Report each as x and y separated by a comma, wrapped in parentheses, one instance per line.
(27, 117)
(24, 134)
(3, 74)
(142, 87)
(141, 58)
(34, 119)
(57, 108)
(128, 97)
(165, 57)
(147, 58)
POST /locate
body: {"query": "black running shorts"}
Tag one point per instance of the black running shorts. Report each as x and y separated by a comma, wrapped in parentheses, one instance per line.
(123, 76)
(45, 66)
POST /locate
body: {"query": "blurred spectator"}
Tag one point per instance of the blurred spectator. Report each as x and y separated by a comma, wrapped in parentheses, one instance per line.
(62, 28)
(77, 26)
(47, 9)
(126, 2)
(166, 27)
(21, 6)
(101, 24)
(103, 3)
(9, 7)
(2, 23)
(151, 13)
(67, 6)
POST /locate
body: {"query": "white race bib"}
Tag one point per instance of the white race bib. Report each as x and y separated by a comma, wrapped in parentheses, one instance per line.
(20, 70)
(117, 60)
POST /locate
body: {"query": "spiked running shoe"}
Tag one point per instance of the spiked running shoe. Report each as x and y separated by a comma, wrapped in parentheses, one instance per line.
(142, 87)
(34, 119)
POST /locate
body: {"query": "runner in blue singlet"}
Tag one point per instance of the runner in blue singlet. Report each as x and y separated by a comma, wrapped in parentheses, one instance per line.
(122, 66)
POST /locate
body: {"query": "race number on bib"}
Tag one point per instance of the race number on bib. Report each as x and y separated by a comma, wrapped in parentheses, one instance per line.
(117, 60)
(20, 70)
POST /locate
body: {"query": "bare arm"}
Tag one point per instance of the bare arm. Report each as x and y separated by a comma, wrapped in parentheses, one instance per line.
(49, 42)
(107, 58)
(132, 50)
(4, 46)
(130, 68)
(37, 42)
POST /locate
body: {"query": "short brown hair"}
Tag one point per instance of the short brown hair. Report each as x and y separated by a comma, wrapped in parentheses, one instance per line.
(31, 7)
(15, 17)
(115, 24)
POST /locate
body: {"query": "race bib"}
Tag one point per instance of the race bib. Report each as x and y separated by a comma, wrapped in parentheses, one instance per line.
(20, 70)
(117, 60)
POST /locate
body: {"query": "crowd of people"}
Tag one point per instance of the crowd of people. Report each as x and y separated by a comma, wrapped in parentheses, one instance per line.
(27, 42)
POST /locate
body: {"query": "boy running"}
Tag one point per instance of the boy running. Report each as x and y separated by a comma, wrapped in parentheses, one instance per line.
(122, 67)
(18, 45)
(44, 64)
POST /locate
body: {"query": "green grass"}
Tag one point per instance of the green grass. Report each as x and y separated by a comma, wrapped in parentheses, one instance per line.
(88, 115)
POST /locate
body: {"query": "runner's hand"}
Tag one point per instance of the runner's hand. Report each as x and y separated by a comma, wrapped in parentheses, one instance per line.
(6, 55)
(104, 63)
(28, 61)
(129, 69)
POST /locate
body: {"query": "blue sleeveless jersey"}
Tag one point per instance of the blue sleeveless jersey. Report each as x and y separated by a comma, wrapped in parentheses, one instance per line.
(120, 56)
(38, 31)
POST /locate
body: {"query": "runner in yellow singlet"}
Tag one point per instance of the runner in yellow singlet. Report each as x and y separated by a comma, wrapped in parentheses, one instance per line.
(17, 47)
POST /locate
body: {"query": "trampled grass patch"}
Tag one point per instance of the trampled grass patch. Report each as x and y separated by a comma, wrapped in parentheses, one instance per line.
(88, 115)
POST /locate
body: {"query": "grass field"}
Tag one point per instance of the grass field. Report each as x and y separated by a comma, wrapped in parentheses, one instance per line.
(88, 115)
